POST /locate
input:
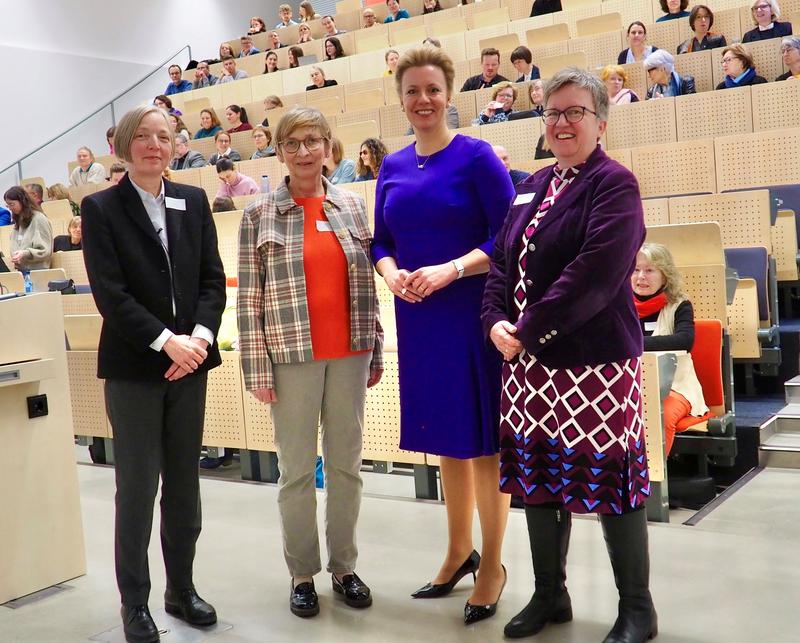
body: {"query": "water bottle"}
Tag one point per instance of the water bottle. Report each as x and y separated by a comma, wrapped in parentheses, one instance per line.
(265, 184)
(26, 276)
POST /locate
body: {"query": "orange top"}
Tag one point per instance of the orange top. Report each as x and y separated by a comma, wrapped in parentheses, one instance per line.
(327, 287)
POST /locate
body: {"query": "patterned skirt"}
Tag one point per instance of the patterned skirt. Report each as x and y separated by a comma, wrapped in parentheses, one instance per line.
(574, 436)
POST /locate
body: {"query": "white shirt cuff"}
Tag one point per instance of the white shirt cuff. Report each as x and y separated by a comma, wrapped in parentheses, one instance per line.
(203, 333)
(159, 342)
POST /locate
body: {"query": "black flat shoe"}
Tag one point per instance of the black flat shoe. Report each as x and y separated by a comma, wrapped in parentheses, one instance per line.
(353, 590)
(138, 625)
(469, 566)
(189, 607)
(475, 613)
(303, 601)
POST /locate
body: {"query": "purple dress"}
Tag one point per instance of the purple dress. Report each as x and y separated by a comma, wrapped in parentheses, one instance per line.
(449, 375)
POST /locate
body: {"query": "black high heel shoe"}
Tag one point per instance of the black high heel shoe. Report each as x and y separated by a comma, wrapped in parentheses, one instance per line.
(469, 566)
(475, 613)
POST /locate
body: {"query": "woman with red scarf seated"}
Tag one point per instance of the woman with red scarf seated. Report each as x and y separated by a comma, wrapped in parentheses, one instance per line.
(667, 320)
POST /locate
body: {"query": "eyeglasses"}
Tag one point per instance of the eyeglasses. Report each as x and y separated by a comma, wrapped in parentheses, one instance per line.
(762, 7)
(786, 48)
(728, 60)
(572, 114)
(311, 143)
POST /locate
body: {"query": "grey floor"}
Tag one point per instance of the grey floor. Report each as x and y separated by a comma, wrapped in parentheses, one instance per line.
(732, 578)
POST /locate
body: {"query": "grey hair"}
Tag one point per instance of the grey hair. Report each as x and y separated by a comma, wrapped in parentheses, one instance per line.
(180, 138)
(791, 41)
(584, 80)
(776, 10)
(660, 58)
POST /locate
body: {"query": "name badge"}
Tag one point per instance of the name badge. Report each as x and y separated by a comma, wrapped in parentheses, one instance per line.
(175, 204)
(522, 199)
(324, 226)
(650, 326)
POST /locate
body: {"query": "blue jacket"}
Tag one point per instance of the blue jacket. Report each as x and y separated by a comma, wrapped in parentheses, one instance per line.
(183, 86)
(5, 217)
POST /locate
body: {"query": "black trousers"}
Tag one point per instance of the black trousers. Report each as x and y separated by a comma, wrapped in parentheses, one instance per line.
(158, 430)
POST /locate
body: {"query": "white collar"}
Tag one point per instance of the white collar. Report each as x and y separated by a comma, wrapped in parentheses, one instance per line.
(144, 194)
(767, 28)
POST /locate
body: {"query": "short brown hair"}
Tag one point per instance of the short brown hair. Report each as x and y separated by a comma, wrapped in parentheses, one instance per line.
(665, 8)
(504, 85)
(491, 51)
(299, 117)
(422, 57)
(697, 9)
(117, 168)
(127, 126)
(214, 118)
(265, 130)
(741, 53)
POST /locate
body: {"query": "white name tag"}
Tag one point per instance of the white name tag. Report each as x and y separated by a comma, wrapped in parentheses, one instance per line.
(524, 198)
(650, 326)
(324, 226)
(175, 204)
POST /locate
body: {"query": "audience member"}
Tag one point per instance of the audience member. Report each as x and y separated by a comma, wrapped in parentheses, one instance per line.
(739, 68)
(271, 102)
(615, 79)
(765, 17)
(516, 175)
(203, 76)
(178, 126)
(329, 24)
(209, 123)
(59, 191)
(336, 168)
(257, 25)
(673, 9)
(304, 33)
(490, 63)
(225, 51)
(522, 59)
(370, 158)
(638, 49)
(391, 57)
(115, 174)
(233, 183)
(790, 52)
(177, 84)
(294, 54)
(229, 71)
(246, 47)
(434, 42)
(35, 194)
(701, 19)
(237, 119)
(500, 107)
(184, 157)
(395, 12)
(87, 170)
(660, 68)
(71, 240)
(430, 6)
(666, 317)
(307, 13)
(369, 18)
(222, 141)
(536, 96)
(262, 137)
(318, 80)
(223, 204)
(271, 63)
(541, 7)
(333, 48)
(285, 13)
(543, 150)
(163, 102)
(275, 40)
(110, 138)
(32, 239)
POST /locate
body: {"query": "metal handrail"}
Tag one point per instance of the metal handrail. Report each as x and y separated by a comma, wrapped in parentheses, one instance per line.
(110, 103)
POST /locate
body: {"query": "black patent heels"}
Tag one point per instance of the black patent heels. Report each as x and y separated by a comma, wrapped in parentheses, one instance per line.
(469, 566)
(475, 613)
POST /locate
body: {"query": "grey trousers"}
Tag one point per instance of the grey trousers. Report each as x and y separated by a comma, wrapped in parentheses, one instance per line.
(330, 394)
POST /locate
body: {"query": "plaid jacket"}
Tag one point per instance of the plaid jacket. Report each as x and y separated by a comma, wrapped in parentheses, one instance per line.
(272, 308)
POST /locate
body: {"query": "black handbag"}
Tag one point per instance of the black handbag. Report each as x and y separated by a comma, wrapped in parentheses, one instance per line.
(64, 286)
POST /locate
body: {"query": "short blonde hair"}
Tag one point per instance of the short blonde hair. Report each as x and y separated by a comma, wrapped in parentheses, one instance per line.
(501, 86)
(284, 7)
(776, 9)
(73, 222)
(660, 256)
(422, 57)
(57, 191)
(126, 129)
(299, 117)
(610, 70)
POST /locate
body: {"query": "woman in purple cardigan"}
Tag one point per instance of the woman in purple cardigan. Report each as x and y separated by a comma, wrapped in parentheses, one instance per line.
(558, 307)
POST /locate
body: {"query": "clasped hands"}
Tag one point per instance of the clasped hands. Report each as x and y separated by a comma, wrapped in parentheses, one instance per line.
(413, 287)
(502, 335)
(187, 354)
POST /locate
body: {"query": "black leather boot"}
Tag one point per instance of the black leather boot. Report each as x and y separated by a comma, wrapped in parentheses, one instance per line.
(626, 541)
(548, 531)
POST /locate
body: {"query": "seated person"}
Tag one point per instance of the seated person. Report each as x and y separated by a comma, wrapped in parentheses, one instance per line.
(295, 54)
(660, 67)
(222, 141)
(285, 13)
(32, 238)
(701, 19)
(395, 12)
(329, 25)
(88, 170)
(229, 71)
(370, 157)
(318, 80)
(257, 25)
(673, 9)
(490, 63)
(543, 150)
(333, 49)
(369, 18)
(223, 204)
(262, 137)
(209, 123)
(307, 13)
(233, 183)
(246, 47)
(184, 157)
(391, 57)
(541, 7)
(667, 320)
(536, 95)
(271, 102)
(336, 168)
(178, 126)
(36, 194)
(177, 85)
(59, 191)
(739, 68)
(237, 119)
(615, 78)
(271, 63)
(430, 6)
(790, 52)
(275, 41)
(304, 34)
(638, 49)
(110, 138)
(71, 240)
(225, 50)
(115, 174)
(203, 76)
(163, 102)
(522, 59)
(516, 175)
(500, 107)
(765, 17)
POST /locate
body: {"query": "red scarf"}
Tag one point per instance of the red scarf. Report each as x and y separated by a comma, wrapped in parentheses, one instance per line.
(650, 306)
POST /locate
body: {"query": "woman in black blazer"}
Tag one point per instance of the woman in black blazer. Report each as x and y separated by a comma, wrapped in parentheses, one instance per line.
(150, 249)
(318, 80)
(701, 19)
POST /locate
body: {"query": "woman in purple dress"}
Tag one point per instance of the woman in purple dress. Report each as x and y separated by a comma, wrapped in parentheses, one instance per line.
(558, 307)
(439, 203)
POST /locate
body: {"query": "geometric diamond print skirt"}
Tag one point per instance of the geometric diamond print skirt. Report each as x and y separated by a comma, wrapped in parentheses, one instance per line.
(574, 436)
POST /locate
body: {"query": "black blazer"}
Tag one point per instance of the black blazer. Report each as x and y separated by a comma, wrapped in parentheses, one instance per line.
(779, 30)
(686, 86)
(327, 83)
(130, 277)
(541, 7)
